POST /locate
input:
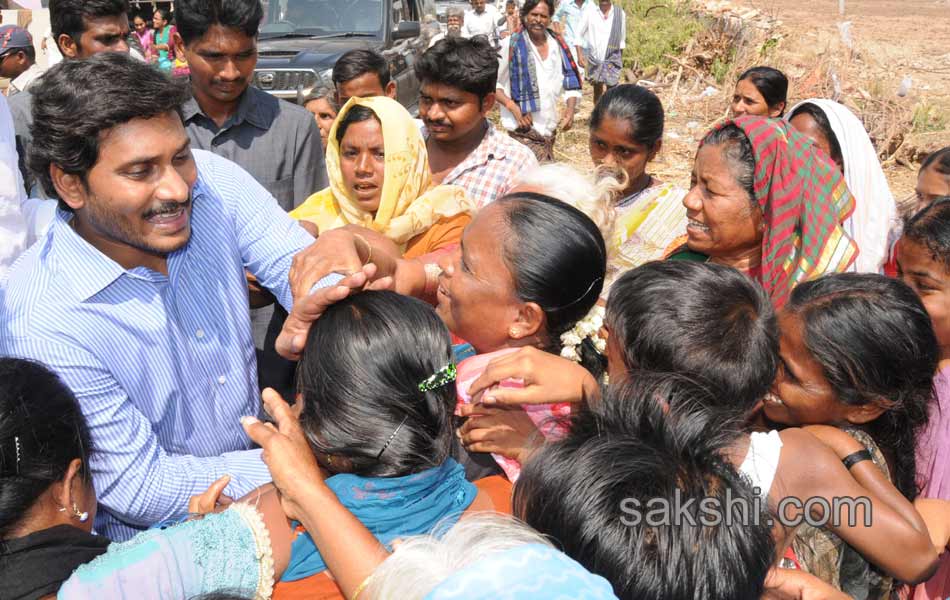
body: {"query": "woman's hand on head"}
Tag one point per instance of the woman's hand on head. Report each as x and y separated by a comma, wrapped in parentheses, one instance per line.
(307, 309)
(789, 584)
(547, 378)
(287, 453)
(508, 432)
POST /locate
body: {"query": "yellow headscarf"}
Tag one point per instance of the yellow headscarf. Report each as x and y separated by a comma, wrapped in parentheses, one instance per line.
(407, 206)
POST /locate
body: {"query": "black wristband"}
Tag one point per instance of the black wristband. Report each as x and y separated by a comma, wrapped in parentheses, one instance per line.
(853, 459)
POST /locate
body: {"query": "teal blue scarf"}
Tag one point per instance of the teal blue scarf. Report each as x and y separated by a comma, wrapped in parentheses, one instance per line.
(391, 508)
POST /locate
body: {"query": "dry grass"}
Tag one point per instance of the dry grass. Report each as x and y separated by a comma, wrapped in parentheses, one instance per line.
(683, 51)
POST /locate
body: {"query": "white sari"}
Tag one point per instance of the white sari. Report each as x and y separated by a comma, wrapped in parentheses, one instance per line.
(875, 211)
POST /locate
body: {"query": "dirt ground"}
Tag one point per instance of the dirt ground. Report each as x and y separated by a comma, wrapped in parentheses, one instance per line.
(891, 41)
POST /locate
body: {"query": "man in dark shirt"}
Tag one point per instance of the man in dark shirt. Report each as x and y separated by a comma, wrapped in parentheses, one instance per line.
(277, 142)
(81, 28)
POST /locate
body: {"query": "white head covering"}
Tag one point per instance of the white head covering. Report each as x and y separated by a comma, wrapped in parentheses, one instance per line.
(875, 212)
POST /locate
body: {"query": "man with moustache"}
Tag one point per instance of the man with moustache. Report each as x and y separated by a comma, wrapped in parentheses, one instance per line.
(278, 143)
(136, 295)
(537, 72)
(458, 77)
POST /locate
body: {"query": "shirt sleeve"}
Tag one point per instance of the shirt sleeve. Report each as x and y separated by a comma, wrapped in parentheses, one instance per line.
(136, 479)
(267, 236)
(522, 164)
(580, 36)
(466, 32)
(310, 171)
(623, 29)
(13, 227)
(504, 75)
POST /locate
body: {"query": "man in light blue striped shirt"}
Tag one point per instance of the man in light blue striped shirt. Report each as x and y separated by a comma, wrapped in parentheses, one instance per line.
(137, 296)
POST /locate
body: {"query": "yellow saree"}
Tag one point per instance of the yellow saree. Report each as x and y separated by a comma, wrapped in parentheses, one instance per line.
(409, 205)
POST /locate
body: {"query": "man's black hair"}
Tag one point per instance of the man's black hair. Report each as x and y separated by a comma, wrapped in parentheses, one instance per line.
(469, 64)
(359, 62)
(194, 18)
(76, 101)
(68, 16)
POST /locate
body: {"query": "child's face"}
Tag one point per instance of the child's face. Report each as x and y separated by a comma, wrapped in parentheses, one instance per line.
(931, 280)
(802, 394)
(931, 185)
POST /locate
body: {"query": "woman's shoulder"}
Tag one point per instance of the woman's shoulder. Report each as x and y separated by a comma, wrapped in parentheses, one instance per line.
(684, 253)
(316, 205)
(444, 233)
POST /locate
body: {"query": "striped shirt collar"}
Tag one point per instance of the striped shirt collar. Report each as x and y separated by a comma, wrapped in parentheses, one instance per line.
(85, 269)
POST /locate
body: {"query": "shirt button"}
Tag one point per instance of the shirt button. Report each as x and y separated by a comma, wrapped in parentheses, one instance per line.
(491, 157)
(200, 334)
(222, 380)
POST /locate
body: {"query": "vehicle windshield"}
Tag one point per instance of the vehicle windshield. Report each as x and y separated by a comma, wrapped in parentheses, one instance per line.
(323, 17)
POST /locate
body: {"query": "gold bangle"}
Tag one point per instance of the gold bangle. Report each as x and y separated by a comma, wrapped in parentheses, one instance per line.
(361, 587)
(369, 258)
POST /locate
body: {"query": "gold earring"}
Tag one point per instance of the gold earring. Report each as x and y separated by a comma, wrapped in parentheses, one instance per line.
(513, 333)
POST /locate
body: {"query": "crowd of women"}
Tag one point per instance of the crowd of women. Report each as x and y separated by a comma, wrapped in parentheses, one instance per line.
(492, 406)
(156, 38)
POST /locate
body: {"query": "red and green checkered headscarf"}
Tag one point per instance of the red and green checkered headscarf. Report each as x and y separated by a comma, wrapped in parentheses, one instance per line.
(804, 200)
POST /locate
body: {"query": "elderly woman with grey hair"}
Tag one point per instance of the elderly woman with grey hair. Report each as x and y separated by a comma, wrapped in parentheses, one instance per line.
(320, 103)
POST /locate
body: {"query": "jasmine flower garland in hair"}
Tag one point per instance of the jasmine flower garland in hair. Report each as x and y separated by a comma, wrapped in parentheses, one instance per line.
(588, 327)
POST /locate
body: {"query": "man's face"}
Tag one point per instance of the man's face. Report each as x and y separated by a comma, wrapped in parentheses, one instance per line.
(539, 19)
(13, 63)
(137, 197)
(478, 6)
(450, 113)
(222, 62)
(101, 34)
(366, 85)
(453, 23)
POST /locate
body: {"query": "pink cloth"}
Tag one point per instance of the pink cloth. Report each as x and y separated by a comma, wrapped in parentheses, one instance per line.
(933, 470)
(145, 40)
(547, 417)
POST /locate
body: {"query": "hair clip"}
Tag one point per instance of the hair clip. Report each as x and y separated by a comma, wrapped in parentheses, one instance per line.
(442, 377)
(392, 437)
(16, 442)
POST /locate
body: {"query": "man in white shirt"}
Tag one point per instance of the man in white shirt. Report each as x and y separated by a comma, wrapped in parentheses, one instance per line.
(600, 40)
(536, 72)
(567, 19)
(481, 20)
(13, 236)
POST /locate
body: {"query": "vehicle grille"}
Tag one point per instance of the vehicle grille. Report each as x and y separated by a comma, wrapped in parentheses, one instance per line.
(273, 80)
